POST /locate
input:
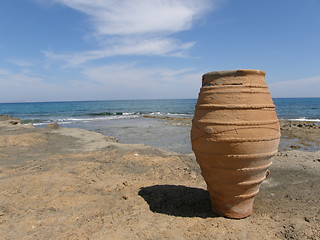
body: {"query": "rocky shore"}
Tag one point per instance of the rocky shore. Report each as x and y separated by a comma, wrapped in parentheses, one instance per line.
(59, 183)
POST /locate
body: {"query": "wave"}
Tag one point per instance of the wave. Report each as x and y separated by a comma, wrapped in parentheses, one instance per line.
(303, 119)
(81, 120)
(112, 113)
(155, 113)
(138, 114)
(46, 123)
(180, 114)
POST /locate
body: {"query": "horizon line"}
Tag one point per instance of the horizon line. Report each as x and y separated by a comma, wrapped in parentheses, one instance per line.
(146, 99)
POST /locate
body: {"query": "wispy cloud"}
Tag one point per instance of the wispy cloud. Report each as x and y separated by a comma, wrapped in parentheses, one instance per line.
(21, 87)
(21, 62)
(115, 81)
(26, 87)
(17, 79)
(140, 27)
(132, 81)
(131, 75)
(125, 46)
(307, 87)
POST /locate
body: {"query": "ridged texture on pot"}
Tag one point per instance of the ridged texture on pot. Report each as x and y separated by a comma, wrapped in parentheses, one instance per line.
(235, 132)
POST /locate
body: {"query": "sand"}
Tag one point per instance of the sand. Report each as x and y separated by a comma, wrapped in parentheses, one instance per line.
(59, 183)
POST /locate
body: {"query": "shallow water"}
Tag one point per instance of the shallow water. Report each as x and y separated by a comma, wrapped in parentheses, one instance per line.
(153, 132)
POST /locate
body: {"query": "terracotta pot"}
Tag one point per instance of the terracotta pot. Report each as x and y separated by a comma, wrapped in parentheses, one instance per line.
(235, 132)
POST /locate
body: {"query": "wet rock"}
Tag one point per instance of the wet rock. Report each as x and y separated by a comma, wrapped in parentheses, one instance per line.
(10, 120)
(294, 147)
(29, 125)
(53, 126)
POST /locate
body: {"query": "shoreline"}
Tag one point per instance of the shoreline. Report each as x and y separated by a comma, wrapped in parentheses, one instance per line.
(172, 133)
(65, 183)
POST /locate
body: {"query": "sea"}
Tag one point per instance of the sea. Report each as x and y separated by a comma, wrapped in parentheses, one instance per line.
(126, 119)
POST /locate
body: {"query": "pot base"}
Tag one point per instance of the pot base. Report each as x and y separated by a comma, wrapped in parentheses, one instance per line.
(236, 209)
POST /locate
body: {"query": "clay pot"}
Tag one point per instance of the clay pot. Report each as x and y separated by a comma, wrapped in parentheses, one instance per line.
(235, 132)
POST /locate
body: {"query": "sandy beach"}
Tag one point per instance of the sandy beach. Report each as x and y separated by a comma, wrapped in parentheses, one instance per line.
(64, 183)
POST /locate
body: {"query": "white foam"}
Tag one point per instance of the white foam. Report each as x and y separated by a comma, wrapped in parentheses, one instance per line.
(155, 113)
(85, 120)
(302, 119)
(177, 114)
(38, 124)
(129, 113)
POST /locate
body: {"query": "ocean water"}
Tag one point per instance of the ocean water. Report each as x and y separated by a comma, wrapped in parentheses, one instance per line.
(89, 111)
(125, 119)
(298, 109)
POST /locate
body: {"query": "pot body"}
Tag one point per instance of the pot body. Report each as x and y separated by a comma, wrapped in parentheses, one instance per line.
(235, 132)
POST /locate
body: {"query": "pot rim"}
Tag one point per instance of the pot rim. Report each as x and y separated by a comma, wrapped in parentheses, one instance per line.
(239, 72)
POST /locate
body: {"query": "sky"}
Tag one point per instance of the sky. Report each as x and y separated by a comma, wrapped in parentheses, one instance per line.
(71, 50)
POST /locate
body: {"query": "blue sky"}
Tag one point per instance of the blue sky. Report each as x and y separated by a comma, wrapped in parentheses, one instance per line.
(61, 50)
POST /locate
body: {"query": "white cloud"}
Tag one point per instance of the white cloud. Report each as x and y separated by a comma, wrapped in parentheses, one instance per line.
(135, 27)
(307, 87)
(130, 17)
